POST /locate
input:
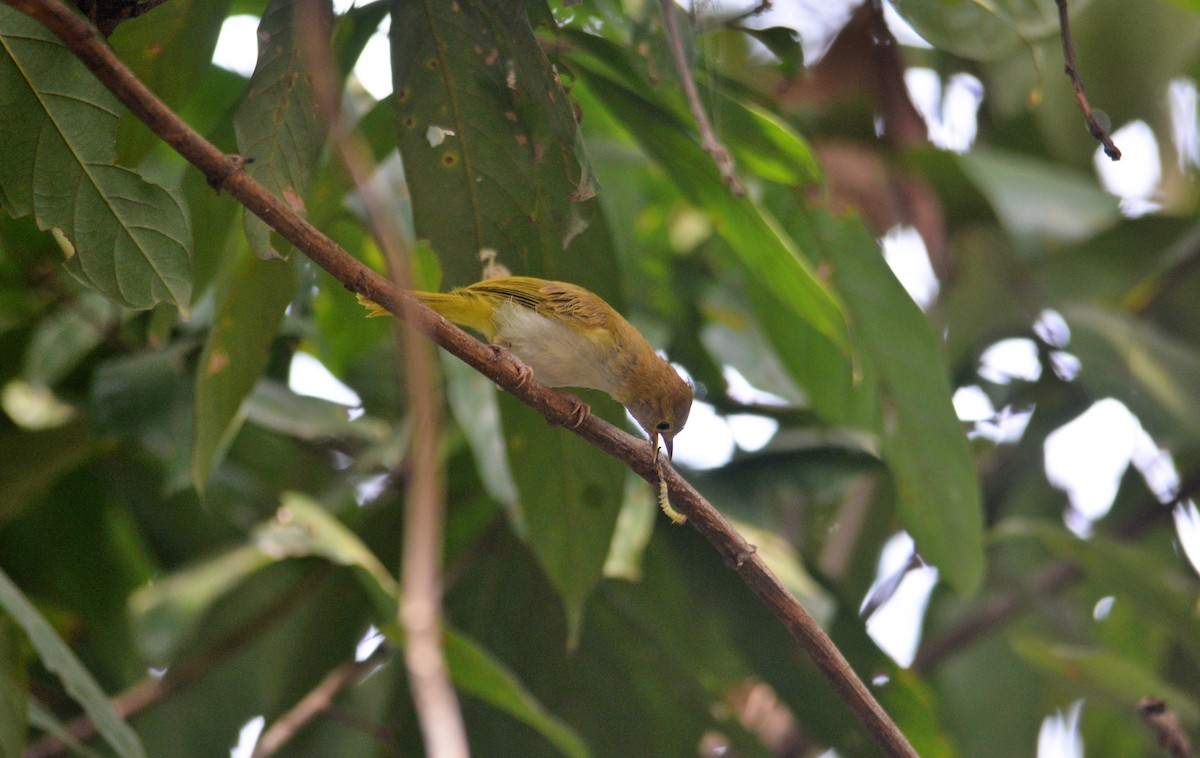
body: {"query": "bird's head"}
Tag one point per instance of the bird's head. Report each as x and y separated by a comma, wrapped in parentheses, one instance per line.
(663, 408)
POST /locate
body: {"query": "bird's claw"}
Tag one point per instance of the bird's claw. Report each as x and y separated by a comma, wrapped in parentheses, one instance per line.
(579, 413)
(524, 373)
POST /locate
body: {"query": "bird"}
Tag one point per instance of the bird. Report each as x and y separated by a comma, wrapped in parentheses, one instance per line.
(570, 337)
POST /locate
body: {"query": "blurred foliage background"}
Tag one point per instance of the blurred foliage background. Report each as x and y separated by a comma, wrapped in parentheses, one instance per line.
(183, 525)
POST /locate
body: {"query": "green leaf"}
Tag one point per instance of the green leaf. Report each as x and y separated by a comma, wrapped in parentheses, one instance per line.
(249, 310)
(762, 249)
(569, 504)
(170, 51)
(273, 406)
(58, 658)
(278, 124)
(1038, 198)
(43, 719)
(491, 148)
(635, 527)
(353, 30)
(1130, 263)
(216, 100)
(1106, 676)
(763, 144)
(67, 336)
(479, 673)
(301, 527)
(472, 400)
(1132, 360)
(167, 613)
(983, 30)
(132, 238)
(924, 443)
(784, 43)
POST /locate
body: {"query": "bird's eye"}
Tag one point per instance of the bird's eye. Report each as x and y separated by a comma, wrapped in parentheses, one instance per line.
(663, 426)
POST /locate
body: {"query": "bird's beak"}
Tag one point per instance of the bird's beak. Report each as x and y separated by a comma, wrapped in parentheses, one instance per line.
(655, 438)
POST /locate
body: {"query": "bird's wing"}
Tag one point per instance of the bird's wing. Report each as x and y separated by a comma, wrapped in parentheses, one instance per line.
(560, 300)
(522, 290)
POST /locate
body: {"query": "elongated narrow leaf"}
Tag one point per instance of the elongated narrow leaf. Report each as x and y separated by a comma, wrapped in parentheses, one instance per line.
(493, 159)
(302, 527)
(277, 124)
(983, 31)
(478, 672)
(249, 310)
(763, 251)
(77, 680)
(924, 443)
(1096, 672)
(1151, 371)
(570, 498)
(132, 238)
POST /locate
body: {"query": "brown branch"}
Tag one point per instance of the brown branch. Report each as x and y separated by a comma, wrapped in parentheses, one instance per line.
(1004, 607)
(1165, 724)
(1094, 128)
(318, 700)
(420, 609)
(558, 409)
(992, 616)
(708, 138)
(150, 691)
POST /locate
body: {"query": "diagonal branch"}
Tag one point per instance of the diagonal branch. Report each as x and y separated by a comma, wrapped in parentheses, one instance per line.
(318, 700)
(223, 171)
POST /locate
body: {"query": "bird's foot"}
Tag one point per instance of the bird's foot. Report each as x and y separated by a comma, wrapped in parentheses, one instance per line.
(579, 413)
(524, 373)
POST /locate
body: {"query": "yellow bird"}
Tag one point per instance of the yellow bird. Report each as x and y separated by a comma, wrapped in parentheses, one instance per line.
(570, 337)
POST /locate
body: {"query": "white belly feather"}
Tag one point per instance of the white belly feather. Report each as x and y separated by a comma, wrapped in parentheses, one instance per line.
(559, 355)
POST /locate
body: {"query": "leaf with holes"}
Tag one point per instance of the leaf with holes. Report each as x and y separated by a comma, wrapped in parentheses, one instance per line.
(278, 124)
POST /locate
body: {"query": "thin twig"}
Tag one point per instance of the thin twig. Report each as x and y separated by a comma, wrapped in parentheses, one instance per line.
(315, 702)
(1165, 724)
(708, 138)
(992, 616)
(420, 609)
(762, 7)
(558, 408)
(1004, 607)
(1072, 69)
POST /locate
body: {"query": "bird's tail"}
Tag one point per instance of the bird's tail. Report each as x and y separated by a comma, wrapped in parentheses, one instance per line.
(462, 307)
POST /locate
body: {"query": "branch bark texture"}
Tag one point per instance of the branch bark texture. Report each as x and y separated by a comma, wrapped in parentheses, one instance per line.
(224, 172)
